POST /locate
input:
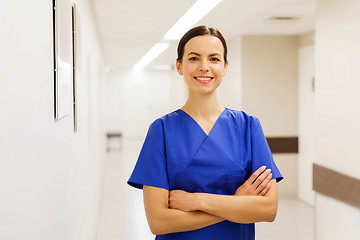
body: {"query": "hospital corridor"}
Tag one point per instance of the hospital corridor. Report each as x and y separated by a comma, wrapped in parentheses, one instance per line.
(101, 97)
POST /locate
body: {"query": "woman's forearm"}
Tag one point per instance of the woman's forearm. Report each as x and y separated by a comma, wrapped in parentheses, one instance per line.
(191, 211)
(163, 220)
(240, 209)
(173, 220)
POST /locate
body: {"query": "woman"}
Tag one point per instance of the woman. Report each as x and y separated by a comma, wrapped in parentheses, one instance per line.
(202, 167)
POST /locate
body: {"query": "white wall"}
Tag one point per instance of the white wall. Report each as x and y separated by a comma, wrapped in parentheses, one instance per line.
(133, 99)
(306, 123)
(269, 91)
(49, 176)
(307, 39)
(337, 99)
(230, 90)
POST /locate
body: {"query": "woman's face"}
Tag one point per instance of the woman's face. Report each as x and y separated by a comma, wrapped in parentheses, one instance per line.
(203, 65)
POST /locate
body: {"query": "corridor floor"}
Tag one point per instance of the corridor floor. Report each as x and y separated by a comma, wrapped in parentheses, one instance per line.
(122, 217)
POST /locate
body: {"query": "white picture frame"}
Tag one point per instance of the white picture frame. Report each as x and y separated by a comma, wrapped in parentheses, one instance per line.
(63, 55)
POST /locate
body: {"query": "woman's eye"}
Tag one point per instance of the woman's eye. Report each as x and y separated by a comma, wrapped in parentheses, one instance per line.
(215, 59)
(193, 58)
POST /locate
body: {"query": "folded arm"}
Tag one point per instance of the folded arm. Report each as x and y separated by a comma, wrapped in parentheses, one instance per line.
(178, 211)
(163, 219)
(255, 201)
(235, 208)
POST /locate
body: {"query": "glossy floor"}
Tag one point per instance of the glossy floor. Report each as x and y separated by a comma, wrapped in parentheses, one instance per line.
(121, 213)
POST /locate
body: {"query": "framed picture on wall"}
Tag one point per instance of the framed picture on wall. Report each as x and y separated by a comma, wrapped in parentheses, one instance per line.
(74, 65)
(63, 58)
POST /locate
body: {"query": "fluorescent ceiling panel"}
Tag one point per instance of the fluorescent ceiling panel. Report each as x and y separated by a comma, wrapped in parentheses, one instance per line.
(191, 17)
(153, 53)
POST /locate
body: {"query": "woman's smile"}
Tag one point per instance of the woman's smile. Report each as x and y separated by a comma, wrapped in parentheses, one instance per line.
(204, 79)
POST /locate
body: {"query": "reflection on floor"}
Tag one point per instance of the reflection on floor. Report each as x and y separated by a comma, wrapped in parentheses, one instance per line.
(121, 213)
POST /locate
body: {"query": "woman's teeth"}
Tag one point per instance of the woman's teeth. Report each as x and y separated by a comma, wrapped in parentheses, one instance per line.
(203, 78)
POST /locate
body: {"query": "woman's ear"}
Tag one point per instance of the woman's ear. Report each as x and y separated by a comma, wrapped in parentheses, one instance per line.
(179, 68)
(225, 68)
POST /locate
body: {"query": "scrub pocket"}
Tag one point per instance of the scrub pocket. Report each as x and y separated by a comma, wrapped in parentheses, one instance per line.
(234, 179)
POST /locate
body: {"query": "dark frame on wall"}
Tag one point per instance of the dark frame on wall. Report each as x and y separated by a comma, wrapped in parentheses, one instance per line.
(74, 67)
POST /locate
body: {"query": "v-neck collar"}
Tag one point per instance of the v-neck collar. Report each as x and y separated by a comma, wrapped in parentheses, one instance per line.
(207, 135)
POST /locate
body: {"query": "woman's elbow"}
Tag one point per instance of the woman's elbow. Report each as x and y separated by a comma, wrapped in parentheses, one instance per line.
(267, 213)
(155, 231)
(271, 217)
(156, 227)
(271, 213)
(271, 206)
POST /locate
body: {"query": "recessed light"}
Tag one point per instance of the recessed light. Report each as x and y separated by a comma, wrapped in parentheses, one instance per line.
(282, 19)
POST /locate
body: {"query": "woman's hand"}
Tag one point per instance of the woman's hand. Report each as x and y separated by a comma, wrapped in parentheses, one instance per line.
(181, 200)
(258, 183)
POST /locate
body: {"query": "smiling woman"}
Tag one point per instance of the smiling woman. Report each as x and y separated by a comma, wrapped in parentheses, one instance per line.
(203, 64)
(202, 60)
(207, 171)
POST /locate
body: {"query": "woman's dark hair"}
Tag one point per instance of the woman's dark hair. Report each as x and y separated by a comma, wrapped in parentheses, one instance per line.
(200, 31)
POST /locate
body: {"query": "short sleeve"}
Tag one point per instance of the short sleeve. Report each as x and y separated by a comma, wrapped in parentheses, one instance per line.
(150, 168)
(261, 153)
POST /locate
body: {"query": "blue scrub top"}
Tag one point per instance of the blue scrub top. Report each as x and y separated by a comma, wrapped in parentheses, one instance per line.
(178, 155)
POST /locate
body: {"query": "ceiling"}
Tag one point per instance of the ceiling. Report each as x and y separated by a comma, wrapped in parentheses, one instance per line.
(129, 28)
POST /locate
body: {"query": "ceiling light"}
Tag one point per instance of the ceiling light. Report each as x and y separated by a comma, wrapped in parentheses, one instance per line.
(154, 52)
(191, 17)
(282, 19)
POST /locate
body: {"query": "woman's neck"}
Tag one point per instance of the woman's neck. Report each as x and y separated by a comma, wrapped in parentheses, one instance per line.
(203, 106)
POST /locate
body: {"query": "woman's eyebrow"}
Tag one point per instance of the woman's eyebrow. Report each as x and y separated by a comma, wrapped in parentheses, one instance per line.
(194, 53)
(211, 55)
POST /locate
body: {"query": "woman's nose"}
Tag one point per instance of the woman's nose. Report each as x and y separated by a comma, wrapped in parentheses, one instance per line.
(204, 67)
